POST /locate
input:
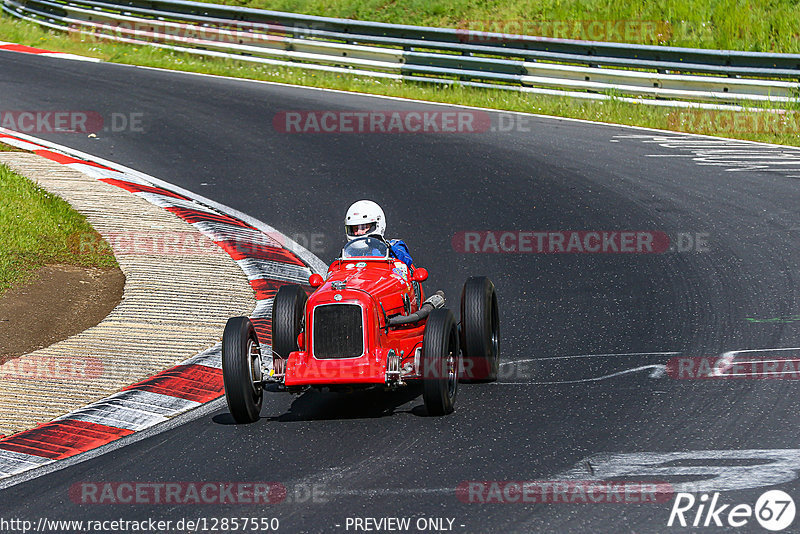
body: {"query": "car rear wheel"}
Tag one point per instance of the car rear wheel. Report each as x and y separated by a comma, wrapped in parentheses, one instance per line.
(241, 370)
(287, 319)
(480, 330)
(441, 360)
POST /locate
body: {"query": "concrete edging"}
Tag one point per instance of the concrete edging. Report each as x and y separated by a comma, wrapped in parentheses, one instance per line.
(173, 306)
(170, 312)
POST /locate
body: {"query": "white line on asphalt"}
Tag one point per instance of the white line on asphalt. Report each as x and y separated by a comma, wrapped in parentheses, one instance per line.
(591, 356)
(657, 371)
(708, 470)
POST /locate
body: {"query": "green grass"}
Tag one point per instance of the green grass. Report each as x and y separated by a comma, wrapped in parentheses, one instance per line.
(41, 229)
(758, 126)
(757, 25)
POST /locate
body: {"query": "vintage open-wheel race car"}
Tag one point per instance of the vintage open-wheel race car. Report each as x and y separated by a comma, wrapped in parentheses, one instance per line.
(365, 325)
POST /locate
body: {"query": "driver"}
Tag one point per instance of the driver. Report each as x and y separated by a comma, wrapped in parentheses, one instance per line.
(366, 218)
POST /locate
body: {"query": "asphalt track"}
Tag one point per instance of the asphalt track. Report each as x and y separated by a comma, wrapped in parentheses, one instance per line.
(377, 455)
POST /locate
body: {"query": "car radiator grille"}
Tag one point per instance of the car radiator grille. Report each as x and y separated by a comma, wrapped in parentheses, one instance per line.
(338, 331)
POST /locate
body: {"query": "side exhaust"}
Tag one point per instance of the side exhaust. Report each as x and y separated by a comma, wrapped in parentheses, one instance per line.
(433, 302)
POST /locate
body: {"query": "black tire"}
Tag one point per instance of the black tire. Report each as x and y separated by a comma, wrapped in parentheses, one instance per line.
(241, 370)
(441, 360)
(287, 319)
(480, 330)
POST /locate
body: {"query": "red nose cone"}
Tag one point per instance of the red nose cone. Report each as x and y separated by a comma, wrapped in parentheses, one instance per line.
(315, 280)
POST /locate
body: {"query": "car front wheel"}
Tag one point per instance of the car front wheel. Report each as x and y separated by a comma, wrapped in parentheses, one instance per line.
(441, 360)
(241, 370)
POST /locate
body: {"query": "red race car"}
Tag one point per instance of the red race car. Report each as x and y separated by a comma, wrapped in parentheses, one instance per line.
(366, 324)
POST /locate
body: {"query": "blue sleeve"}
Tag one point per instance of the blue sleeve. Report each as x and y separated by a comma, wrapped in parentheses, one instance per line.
(400, 251)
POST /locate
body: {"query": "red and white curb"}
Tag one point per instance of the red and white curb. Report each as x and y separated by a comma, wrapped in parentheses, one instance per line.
(12, 47)
(269, 260)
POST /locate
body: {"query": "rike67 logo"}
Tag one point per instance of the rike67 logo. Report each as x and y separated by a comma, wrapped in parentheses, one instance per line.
(774, 510)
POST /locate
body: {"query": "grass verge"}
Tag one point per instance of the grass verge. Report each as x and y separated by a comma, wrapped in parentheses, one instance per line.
(760, 26)
(41, 229)
(755, 125)
(8, 148)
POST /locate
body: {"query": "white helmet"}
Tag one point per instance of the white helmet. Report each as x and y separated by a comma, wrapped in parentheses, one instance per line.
(364, 218)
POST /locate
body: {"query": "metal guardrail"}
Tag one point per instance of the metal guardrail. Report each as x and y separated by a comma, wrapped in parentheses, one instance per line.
(586, 69)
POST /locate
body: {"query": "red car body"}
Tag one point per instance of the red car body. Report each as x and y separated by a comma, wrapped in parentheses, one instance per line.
(366, 324)
(381, 288)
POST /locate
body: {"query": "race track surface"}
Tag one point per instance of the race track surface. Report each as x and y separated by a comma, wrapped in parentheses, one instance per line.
(375, 454)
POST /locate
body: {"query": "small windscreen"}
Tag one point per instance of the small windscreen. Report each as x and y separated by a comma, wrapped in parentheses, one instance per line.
(366, 247)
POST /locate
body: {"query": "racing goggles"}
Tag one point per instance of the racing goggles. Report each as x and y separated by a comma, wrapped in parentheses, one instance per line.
(358, 230)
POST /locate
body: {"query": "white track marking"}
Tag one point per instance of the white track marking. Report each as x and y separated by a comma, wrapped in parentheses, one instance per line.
(317, 264)
(768, 467)
(219, 231)
(12, 462)
(166, 201)
(208, 358)
(50, 467)
(732, 155)
(754, 164)
(747, 158)
(263, 309)
(590, 356)
(781, 349)
(132, 175)
(145, 412)
(20, 144)
(776, 373)
(770, 361)
(73, 57)
(657, 371)
(256, 269)
(772, 466)
(724, 362)
(299, 88)
(728, 360)
(98, 173)
(133, 410)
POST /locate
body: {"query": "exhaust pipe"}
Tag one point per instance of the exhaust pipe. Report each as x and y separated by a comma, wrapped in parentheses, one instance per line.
(434, 301)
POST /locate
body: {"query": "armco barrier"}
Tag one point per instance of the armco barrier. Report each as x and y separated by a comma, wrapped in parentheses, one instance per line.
(588, 69)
